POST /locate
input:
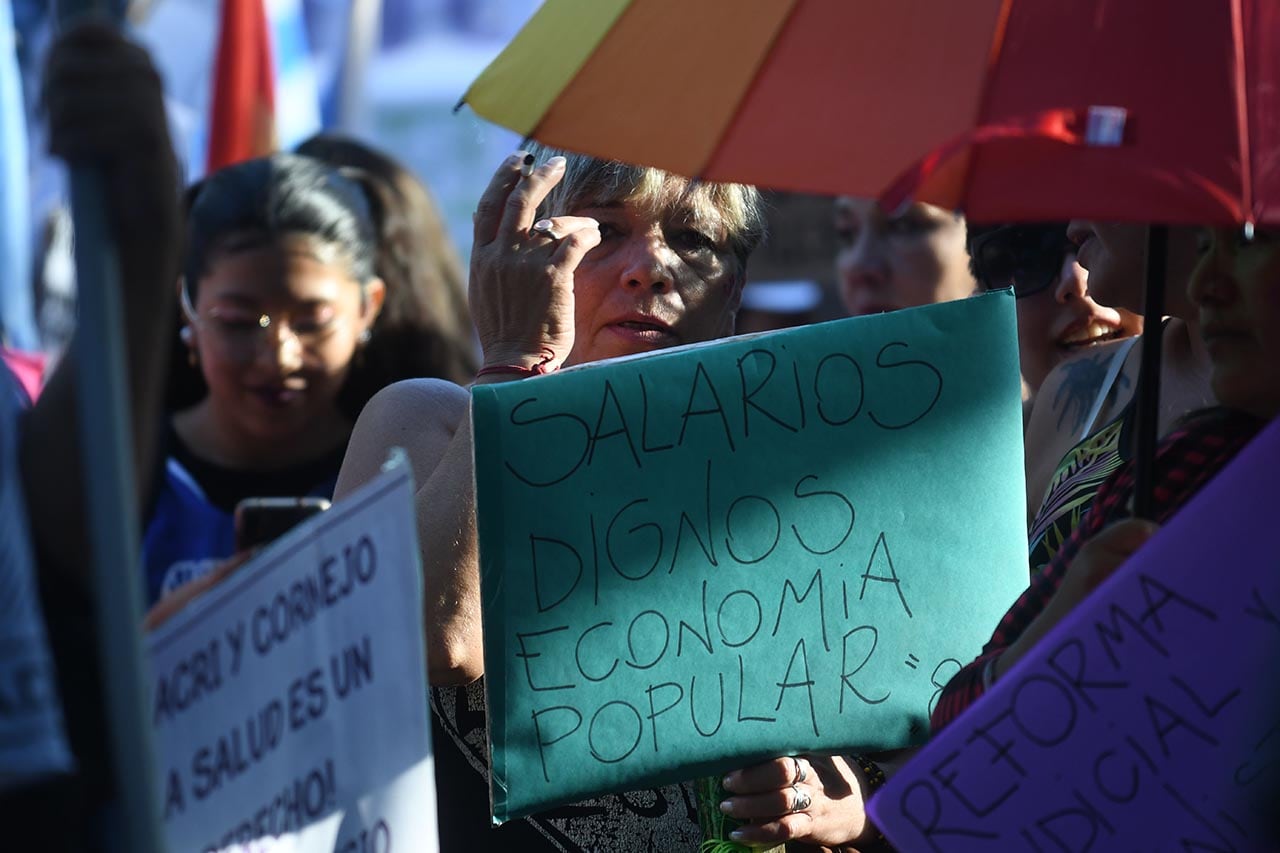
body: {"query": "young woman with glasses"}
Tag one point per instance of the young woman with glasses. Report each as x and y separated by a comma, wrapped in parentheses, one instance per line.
(278, 294)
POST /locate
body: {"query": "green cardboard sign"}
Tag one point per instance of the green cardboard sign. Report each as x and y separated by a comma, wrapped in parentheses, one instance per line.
(763, 546)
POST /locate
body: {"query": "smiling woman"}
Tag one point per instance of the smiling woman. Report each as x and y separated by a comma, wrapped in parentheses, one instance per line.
(1058, 317)
(277, 295)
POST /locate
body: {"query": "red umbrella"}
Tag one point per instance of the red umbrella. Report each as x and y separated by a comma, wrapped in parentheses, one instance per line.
(1107, 109)
(1121, 111)
(1171, 117)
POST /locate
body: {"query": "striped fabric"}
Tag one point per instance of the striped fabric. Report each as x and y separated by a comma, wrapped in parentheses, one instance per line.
(1072, 490)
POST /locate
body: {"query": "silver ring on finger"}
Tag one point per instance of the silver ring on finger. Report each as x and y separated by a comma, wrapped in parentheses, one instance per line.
(800, 800)
(802, 772)
(545, 228)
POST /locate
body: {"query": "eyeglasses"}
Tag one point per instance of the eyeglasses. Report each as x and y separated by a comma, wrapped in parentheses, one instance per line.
(240, 331)
(1027, 258)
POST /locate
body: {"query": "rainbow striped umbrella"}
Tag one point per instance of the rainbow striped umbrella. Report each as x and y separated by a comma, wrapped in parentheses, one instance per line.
(741, 89)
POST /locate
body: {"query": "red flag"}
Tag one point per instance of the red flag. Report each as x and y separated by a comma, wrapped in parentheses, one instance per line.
(242, 120)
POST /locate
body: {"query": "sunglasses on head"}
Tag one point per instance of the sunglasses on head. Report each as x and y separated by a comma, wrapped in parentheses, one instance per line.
(1027, 258)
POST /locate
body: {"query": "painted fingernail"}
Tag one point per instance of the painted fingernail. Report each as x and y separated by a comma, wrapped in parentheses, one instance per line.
(737, 835)
(556, 162)
(526, 165)
(726, 806)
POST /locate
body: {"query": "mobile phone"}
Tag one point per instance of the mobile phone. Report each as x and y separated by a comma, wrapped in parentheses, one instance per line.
(261, 520)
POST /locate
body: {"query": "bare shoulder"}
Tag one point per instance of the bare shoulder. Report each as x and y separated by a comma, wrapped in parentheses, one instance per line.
(405, 403)
(420, 415)
(1062, 409)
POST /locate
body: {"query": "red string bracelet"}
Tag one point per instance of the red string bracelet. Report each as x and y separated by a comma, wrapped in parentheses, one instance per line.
(539, 369)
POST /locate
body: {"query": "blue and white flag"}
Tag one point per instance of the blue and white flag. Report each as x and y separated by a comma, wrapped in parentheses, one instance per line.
(17, 319)
(297, 92)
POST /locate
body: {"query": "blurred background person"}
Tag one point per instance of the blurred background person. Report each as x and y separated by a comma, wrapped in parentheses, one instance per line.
(885, 261)
(278, 295)
(424, 329)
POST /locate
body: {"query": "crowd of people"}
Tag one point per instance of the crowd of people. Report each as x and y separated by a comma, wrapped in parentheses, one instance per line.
(289, 319)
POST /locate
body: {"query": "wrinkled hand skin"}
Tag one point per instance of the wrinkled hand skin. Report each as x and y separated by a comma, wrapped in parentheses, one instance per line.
(521, 281)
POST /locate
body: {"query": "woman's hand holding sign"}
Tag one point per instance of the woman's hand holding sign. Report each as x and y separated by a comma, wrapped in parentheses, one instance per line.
(811, 799)
(521, 285)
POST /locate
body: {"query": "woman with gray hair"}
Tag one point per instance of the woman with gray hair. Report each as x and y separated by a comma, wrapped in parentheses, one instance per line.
(574, 260)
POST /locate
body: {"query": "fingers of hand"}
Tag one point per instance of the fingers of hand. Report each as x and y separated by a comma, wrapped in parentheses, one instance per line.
(562, 226)
(1126, 536)
(768, 776)
(573, 245)
(786, 828)
(228, 566)
(1109, 549)
(769, 805)
(521, 206)
(488, 213)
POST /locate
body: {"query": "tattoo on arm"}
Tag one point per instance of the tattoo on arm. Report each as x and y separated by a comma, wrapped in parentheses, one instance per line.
(1078, 390)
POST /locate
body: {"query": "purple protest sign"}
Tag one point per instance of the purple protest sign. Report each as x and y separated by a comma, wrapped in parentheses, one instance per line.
(1147, 720)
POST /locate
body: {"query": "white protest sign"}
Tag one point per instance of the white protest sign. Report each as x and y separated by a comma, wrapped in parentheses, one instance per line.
(290, 702)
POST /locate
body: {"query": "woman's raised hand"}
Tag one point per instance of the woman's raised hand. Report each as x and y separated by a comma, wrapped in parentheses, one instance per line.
(521, 287)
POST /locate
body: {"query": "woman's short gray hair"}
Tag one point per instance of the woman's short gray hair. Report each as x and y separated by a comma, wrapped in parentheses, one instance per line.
(589, 181)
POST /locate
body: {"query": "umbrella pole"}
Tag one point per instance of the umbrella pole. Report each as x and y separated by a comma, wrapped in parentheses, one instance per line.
(107, 457)
(1148, 423)
(106, 452)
